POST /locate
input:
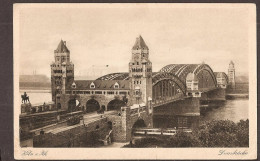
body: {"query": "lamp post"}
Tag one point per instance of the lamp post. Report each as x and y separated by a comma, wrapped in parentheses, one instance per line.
(150, 104)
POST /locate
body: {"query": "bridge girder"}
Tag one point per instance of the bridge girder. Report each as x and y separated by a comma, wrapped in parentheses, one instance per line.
(169, 76)
(207, 68)
(182, 70)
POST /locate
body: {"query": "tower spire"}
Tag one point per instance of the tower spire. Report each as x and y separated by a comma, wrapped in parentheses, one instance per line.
(140, 44)
(231, 74)
(140, 72)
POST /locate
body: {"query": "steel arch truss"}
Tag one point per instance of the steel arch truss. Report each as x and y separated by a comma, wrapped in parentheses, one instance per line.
(170, 77)
(226, 77)
(205, 67)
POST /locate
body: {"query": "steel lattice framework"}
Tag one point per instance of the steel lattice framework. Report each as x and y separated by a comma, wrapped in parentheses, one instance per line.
(178, 74)
(162, 76)
(182, 70)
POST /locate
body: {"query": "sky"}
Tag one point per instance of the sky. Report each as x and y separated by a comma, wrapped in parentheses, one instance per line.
(98, 36)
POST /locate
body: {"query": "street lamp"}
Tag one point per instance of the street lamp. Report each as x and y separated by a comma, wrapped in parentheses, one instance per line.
(150, 104)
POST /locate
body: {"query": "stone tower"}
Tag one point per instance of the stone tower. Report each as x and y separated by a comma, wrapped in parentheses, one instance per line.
(231, 74)
(62, 72)
(140, 73)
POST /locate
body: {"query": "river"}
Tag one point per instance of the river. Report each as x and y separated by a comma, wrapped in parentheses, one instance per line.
(233, 110)
(37, 96)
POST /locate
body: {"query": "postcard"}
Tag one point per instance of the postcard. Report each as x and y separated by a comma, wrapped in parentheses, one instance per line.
(135, 81)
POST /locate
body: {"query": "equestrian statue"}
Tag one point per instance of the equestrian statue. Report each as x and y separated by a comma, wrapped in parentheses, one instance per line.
(25, 98)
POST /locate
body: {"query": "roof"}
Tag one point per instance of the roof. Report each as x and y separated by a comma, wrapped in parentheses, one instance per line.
(140, 44)
(99, 85)
(231, 62)
(115, 76)
(62, 48)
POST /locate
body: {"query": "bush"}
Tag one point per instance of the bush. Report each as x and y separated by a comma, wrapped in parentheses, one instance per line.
(221, 133)
(182, 139)
(146, 142)
(224, 133)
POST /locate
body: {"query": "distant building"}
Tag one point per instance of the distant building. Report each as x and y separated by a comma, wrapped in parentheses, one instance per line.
(231, 75)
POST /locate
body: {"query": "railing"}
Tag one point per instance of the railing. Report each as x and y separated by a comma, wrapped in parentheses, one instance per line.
(139, 110)
(164, 100)
(37, 108)
(169, 131)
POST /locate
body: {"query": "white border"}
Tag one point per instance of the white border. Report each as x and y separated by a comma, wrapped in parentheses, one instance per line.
(141, 153)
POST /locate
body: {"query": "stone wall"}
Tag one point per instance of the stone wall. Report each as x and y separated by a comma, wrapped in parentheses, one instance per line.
(79, 136)
(217, 94)
(122, 125)
(169, 113)
(83, 99)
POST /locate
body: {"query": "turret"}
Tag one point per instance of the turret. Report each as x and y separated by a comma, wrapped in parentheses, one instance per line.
(140, 73)
(62, 71)
(231, 75)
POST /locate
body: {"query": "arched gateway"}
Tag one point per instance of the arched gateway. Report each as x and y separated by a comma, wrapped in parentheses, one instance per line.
(92, 105)
(73, 105)
(115, 104)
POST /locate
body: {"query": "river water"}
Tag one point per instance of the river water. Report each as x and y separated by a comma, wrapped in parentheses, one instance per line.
(37, 96)
(233, 110)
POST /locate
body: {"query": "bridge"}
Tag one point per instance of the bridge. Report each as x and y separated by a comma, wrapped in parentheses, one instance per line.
(170, 97)
(179, 90)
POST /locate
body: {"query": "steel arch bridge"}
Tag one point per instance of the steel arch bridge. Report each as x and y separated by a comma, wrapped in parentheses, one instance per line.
(170, 82)
(205, 74)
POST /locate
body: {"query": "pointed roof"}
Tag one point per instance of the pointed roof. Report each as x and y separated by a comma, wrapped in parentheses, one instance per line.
(62, 48)
(231, 62)
(140, 44)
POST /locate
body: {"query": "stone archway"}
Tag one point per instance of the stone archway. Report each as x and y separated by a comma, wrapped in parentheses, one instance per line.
(73, 105)
(139, 124)
(92, 105)
(115, 104)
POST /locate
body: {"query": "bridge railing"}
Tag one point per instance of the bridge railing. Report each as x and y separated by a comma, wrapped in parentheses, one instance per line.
(137, 110)
(159, 131)
(37, 108)
(163, 100)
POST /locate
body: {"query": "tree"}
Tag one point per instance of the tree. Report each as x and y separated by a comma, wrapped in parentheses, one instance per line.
(220, 133)
(224, 133)
(182, 139)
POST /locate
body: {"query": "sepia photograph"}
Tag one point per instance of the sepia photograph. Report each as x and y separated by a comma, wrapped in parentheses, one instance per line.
(135, 81)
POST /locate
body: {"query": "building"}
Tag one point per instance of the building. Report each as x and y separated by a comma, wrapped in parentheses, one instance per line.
(231, 75)
(62, 72)
(105, 92)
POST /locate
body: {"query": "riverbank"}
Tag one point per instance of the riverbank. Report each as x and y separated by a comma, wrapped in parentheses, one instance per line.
(237, 96)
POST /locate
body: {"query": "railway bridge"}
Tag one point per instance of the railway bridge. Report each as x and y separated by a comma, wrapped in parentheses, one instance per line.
(169, 98)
